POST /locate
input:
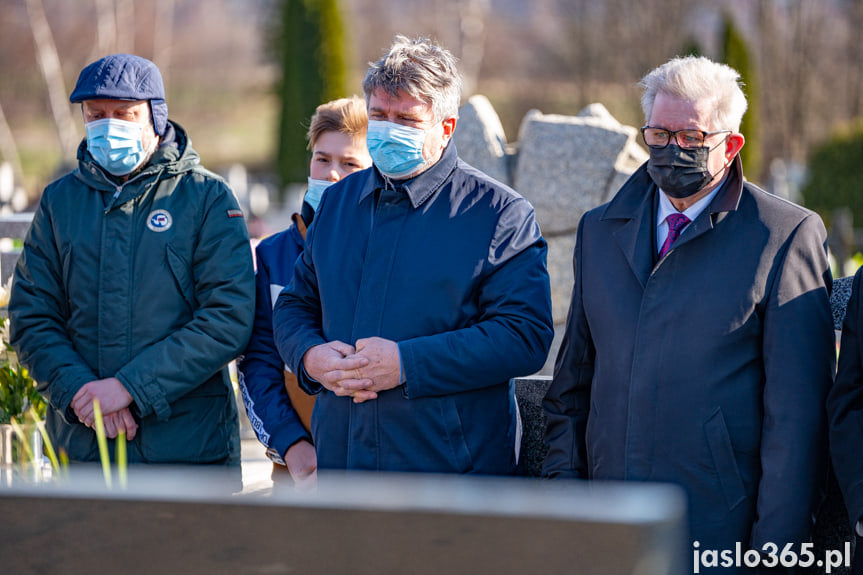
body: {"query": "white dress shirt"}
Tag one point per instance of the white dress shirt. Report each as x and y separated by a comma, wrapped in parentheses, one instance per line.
(665, 209)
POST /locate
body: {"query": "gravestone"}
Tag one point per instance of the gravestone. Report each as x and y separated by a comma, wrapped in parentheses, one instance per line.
(568, 165)
(480, 139)
(12, 227)
(173, 520)
(839, 297)
(529, 392)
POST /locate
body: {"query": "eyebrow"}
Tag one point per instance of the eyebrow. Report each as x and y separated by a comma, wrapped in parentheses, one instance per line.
(415, 116)
(407, 115)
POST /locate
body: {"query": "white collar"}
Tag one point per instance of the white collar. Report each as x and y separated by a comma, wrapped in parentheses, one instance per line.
(692, 212)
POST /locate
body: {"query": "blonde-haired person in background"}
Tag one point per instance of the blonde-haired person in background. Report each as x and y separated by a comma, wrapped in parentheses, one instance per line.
(278, 411)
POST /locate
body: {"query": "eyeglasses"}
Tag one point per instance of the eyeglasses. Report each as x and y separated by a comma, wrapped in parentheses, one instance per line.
(659, 138)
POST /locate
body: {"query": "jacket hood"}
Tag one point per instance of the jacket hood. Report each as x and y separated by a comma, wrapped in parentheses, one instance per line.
(174, 155)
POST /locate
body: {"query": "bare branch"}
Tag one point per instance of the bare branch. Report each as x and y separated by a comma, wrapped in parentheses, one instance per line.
(49, 63)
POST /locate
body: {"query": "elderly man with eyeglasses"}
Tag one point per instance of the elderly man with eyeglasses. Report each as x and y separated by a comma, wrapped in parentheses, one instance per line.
(699, 345)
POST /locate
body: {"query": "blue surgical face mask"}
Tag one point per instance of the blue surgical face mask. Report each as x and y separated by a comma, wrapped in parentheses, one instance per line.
(116, 145)
(396, 150)
(315, 191)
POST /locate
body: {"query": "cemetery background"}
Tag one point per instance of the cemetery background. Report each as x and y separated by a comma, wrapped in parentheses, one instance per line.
(550, 107)
(550, 103)
(558, 56)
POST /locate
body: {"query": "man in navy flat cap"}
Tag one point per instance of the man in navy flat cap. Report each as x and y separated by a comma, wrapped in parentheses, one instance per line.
(135, 286)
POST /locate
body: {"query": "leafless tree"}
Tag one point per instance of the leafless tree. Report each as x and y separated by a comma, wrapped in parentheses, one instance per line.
(801, 45)
(8, 148)
(163, 30)
(49, 63)
(125, 14)
(854, 59)
(555, 55)
(472, 34)
(106, 29)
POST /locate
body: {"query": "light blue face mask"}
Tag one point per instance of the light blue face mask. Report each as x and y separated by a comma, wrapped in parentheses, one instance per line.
(116, 145)
(315, 191)
(396, 150)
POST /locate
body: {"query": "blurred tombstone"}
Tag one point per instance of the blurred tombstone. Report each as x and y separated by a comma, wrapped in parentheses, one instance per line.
(259, 200)
(7, 182)
(841, 238)
(777, 183)
(238, 179)
(480, 139)
(566, 166)
(433, 524)
(20, 200)
(12, 227)
(786, 179)
(259, 205)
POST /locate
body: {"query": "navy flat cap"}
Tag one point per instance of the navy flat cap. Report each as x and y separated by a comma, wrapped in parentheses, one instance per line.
(124, 77)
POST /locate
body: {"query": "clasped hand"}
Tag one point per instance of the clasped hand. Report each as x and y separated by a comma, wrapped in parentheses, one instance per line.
(114, 401)
(359, 372)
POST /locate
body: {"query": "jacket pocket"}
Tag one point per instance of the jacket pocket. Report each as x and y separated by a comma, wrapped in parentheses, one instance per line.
(182, 276)
(724, 462)
(198, 430)
(462, 459)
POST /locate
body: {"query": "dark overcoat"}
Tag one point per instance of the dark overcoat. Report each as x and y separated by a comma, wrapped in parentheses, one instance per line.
(708, 368)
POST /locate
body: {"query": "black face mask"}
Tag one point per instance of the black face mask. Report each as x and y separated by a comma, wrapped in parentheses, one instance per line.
(679, 172)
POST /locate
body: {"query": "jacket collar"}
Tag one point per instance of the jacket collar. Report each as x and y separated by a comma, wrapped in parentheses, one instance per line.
(419, 188)
(635, 204)
(629, 201)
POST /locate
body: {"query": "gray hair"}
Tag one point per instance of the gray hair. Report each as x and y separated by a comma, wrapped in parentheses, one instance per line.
(695, 79)
(420, 68)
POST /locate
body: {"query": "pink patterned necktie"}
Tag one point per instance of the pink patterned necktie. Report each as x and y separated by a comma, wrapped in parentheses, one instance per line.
(676, 223)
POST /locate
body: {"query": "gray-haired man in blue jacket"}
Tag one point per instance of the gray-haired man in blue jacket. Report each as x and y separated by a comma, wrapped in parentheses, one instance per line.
(422, 290)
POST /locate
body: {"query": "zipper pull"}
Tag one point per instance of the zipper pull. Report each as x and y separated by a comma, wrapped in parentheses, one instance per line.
(116, 195)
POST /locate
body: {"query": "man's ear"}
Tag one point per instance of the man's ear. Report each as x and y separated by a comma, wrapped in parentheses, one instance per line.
(733, 145)
(448, 128)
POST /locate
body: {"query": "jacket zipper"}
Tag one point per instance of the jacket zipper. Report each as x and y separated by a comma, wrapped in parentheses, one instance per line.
(119, 190)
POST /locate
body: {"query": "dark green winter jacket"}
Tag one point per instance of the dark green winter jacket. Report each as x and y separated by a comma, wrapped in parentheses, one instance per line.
(150, 281)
